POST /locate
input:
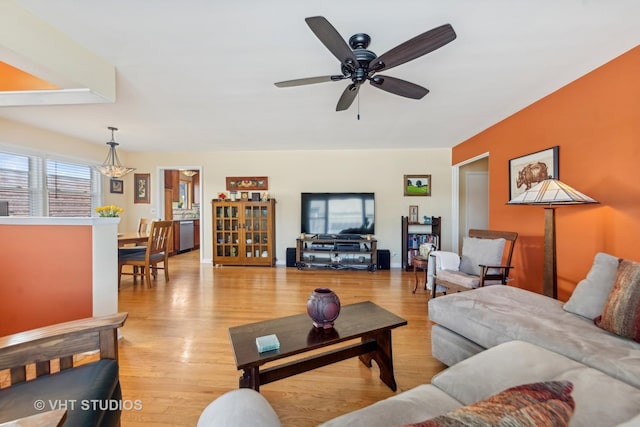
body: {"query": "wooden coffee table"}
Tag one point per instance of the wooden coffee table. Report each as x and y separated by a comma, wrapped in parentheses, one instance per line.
(365, 321)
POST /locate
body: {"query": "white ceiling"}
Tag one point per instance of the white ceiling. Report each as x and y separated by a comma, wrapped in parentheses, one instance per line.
(198, 75)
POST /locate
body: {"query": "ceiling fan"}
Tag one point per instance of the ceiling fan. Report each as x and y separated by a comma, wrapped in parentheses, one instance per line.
(360, 65)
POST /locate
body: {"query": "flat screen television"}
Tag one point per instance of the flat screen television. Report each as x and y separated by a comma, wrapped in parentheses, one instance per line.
(337, 213)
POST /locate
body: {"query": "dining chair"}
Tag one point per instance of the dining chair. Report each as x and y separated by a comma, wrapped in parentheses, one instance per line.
(143, 225)
(145, 263)
(485, 260)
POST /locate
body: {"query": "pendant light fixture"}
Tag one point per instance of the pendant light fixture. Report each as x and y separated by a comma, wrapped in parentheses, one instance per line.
(111, 166)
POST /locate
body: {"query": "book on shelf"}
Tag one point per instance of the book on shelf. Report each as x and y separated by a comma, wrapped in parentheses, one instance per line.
(415, 240)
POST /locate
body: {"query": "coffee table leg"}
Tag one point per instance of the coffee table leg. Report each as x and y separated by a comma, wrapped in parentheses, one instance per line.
(383, 358)
(250, 379)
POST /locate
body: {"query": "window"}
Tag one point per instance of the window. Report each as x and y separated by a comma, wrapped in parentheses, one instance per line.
(69, 189)
(14, 183)
(38, 186)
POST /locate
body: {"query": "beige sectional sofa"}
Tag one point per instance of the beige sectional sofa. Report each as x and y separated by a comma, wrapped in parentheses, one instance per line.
(494, 338)
(600, 400)
(469, 322)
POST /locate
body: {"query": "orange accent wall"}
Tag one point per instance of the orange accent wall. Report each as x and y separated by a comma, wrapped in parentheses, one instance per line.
(595, 121)
(13, 79)
(46, 275)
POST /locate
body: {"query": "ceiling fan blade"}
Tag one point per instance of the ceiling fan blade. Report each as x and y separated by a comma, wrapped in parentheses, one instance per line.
(308, 81)
(347, 97)
(330, 37)
(399, 87)
(414, 48)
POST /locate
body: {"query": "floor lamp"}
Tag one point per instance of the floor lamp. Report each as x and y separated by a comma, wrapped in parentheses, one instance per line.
(550, 193)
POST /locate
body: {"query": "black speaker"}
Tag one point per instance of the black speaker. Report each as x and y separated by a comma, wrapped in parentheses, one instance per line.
(291, 257)
(384, 259)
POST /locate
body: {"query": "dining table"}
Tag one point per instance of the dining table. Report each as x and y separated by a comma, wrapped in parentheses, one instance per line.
(132, 238)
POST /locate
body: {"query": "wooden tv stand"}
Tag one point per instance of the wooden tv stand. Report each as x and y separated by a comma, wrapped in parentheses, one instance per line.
(337, 253)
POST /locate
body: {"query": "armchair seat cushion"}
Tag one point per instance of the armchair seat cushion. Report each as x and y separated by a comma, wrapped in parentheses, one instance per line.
(459, 278)
(91, 393)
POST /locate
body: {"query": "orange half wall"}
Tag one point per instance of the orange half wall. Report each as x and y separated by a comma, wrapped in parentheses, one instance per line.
(46, 275)
(595, 121)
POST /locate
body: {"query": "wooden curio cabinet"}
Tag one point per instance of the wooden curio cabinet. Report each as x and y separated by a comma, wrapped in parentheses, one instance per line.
(244, 233)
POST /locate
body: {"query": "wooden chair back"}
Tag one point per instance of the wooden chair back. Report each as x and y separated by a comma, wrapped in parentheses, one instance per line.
(143, 225)
(159, 235)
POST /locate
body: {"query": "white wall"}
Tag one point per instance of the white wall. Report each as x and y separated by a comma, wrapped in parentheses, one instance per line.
(289, 172)
(293, 172)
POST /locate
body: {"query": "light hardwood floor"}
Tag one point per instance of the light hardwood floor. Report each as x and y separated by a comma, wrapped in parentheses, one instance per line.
(175, 354)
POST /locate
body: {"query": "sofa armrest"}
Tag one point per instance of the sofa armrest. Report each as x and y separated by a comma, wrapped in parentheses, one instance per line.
(239, 408)
(60, 341)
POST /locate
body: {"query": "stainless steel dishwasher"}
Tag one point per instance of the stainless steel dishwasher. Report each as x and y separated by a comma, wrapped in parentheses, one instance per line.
(186, 235)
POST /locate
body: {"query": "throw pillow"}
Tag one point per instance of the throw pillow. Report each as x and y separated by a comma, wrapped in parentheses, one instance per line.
(529, 405)
(477, 251)
(591, 293)
(621, 313)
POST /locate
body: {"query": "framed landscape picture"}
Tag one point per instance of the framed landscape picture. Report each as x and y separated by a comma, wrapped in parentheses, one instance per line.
(417, 185)
(528, 170)
(142, 191)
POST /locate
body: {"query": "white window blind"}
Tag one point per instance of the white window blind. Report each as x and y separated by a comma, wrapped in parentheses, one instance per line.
(38, 186)
(14, 183)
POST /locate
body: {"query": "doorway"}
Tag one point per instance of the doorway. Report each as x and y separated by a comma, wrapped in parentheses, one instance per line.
(470, 200)
(180, 191)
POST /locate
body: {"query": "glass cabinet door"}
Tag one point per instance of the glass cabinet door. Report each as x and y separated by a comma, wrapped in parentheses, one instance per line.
(256, 231)
(227, 223)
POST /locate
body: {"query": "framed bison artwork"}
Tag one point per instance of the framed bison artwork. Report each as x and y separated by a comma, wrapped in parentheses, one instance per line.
(528, 170)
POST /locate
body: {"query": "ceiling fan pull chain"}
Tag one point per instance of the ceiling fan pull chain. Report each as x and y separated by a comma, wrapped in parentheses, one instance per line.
(358, 105)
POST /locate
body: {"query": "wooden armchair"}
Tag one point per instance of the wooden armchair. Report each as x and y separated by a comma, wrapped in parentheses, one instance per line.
(38, 366)
(486, 260)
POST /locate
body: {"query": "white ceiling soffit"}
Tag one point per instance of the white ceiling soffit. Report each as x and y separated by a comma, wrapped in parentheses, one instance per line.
(33, 46)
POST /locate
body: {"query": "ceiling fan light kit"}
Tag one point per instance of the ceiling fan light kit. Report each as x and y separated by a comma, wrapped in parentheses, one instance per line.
(359, 64)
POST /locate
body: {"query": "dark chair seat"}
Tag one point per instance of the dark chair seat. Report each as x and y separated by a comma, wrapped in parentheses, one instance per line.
(91, 393)
(139, 256)
(132, 249)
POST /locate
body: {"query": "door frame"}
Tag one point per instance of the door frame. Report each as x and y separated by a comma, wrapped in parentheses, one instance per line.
(455, 199)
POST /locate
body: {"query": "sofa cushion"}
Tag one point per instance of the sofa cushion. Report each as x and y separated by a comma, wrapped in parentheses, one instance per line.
(621, 312)
(492, 315)
(414, 405)
(591, 293)
(518, 362)
(78, 387)
(528, 405)
(631, 422)
(477, 251)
